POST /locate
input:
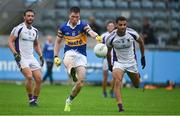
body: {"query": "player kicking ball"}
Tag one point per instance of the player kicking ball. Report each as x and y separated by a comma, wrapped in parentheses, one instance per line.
(73, 32)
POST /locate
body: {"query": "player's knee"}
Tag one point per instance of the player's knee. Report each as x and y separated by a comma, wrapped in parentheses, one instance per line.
(117, 80)
(38, 80)
(29, 78)
(80, 83)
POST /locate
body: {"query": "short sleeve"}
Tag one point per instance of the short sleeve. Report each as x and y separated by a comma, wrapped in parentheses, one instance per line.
(133, 33)
(37, 33)
(14, 31)
(110, 38)
(85, 26)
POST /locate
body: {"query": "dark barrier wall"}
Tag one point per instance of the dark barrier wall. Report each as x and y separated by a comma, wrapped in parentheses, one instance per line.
(161, 66)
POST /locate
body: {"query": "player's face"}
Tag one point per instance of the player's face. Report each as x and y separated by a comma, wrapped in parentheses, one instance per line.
(49, 38)
(110, 27)
(74, 18)
(121, 26)
(29, 18)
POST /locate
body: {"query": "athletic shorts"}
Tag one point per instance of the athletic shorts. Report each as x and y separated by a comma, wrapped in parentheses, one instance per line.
(126, 67)
(77, 58)
(31, 63)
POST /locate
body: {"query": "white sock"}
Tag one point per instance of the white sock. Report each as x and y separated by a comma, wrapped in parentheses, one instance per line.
(68, 100)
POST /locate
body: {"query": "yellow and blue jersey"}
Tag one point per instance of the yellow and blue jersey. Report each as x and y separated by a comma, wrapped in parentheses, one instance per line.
(75, 38)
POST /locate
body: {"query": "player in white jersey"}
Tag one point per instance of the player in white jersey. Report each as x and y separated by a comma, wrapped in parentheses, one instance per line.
(23, 39)
(110, 26)
(122, 41)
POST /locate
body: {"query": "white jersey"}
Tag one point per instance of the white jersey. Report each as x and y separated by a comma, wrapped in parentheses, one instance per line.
(25, 38)
(104, 36)
(124, 46)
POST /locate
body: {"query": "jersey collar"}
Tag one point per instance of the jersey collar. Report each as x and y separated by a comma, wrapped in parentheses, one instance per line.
(68, 24)
(30, 27)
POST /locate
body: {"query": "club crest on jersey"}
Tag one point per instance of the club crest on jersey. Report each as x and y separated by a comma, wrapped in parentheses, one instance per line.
(73, 33)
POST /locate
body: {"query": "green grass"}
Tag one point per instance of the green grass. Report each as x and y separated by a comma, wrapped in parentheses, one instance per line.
(13, 101)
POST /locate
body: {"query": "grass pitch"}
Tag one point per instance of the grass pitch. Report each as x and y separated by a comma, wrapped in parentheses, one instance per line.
(13, 101)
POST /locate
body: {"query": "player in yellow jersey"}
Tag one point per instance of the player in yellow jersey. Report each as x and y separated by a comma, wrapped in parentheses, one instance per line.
(73, 32)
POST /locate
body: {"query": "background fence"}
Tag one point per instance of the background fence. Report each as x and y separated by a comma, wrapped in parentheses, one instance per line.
(161, 66)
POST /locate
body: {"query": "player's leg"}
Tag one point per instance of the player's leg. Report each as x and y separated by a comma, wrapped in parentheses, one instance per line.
(118, 75)
(112, 88)
(51, 76)
(69, 64)
(80, 62)
(81, 71)
(50, 66)
(36, 73)
(37, 87)
(105, 77)
(104, 82)
(28, 82)
(134, 75)
(135, 78)
(46, 74)
(26, 71)
(69, 60)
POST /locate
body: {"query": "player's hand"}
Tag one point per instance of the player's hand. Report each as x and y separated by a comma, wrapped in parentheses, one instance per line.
(57, 61)
(143, 62)
(17, 57)
(110, 67)
(99, 39)
(42, 60)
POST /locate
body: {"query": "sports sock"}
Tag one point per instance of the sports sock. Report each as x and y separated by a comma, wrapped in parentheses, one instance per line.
(71, 97)
(120, 106)
(30, 96)
(105, 94)
(35, 98)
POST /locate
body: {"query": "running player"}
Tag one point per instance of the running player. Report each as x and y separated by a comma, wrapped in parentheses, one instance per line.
(22, 40)
(110, 26)
(122, 41)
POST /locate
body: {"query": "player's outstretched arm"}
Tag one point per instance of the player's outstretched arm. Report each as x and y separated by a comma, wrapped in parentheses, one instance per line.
(93, 34)
(58, 41)
(57, 46)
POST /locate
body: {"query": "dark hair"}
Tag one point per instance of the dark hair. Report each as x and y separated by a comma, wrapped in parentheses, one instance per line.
(29, 10)
(74, 9)
(121, 18)
(110, 22)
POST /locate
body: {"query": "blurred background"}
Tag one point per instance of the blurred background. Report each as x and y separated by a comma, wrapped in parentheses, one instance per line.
(158, 21)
